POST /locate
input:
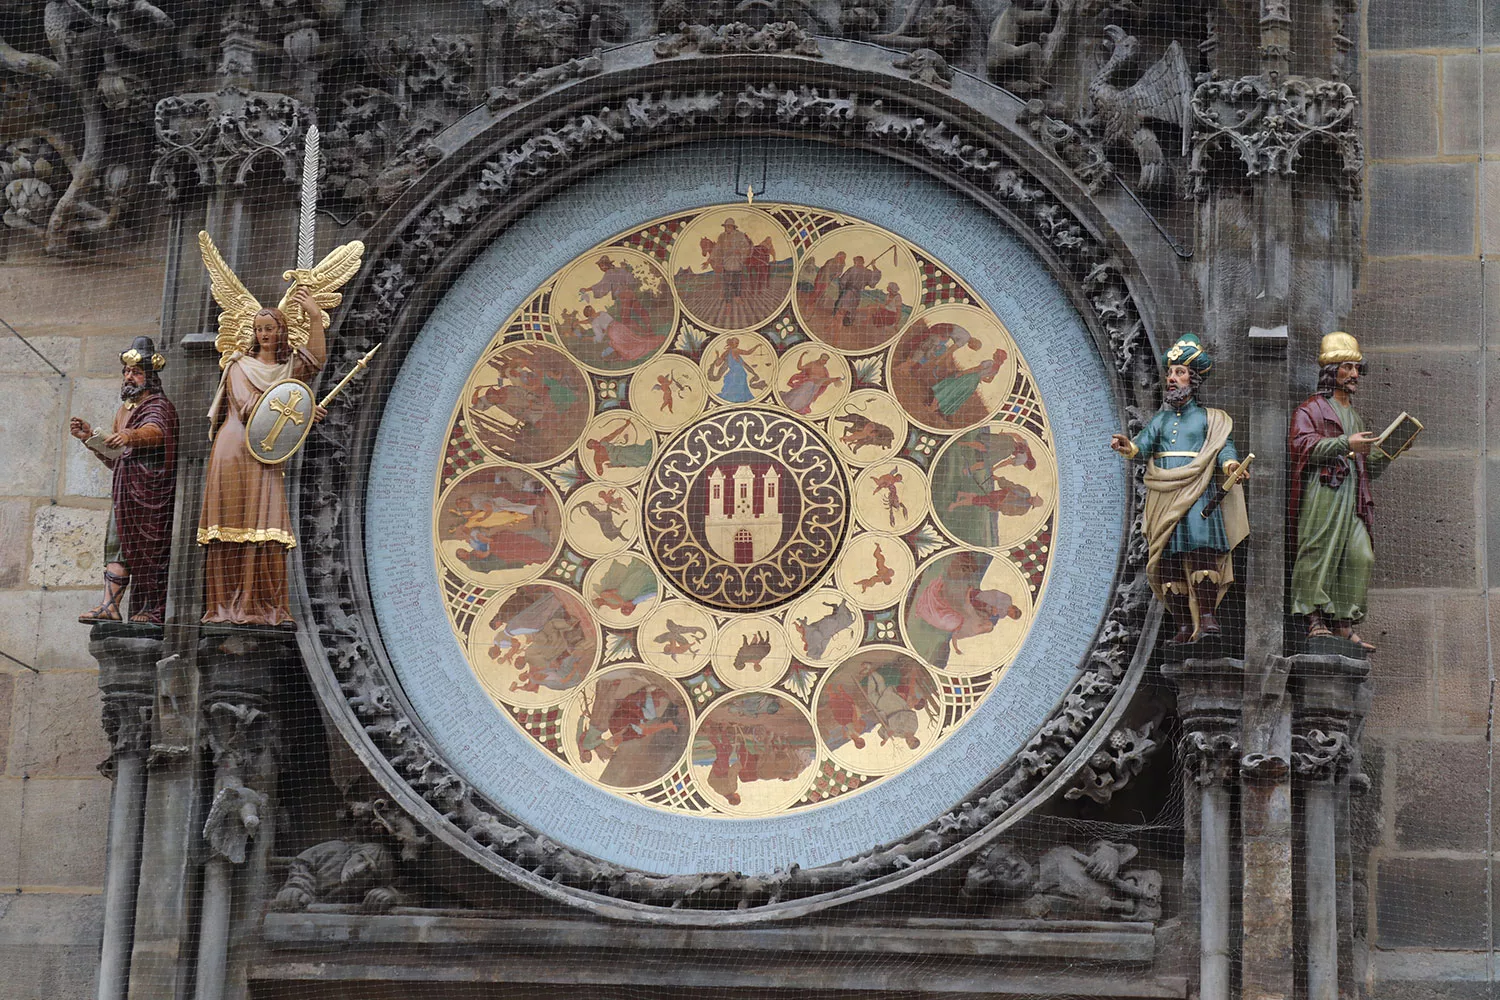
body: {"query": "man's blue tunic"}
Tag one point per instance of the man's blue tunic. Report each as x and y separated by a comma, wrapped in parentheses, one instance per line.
(1172, 439)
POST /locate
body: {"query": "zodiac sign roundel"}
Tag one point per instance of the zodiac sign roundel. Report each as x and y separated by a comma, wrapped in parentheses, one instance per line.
(745, 510)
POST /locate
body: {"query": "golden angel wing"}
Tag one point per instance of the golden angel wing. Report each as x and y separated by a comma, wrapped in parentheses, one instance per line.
(237, 307)
(324, 278)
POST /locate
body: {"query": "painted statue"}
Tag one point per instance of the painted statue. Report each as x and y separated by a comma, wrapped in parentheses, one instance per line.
(1333, 460)
(245, 526)
(140, 448)
(1190, 564)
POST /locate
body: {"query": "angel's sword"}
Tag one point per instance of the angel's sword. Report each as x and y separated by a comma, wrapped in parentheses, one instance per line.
(308, 219)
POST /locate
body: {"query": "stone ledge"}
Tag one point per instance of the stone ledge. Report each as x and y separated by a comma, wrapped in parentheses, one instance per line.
(933, 957)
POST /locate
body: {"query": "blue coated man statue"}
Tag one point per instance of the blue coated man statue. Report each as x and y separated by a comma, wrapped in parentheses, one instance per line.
(1190, 564)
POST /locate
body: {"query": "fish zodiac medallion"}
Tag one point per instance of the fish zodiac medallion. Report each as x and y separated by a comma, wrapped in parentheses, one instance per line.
(746, 509)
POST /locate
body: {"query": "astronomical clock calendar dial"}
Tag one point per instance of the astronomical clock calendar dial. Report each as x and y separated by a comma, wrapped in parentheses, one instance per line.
(745, 510)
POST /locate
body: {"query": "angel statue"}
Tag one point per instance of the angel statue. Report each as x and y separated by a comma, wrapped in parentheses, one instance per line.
(245, 525)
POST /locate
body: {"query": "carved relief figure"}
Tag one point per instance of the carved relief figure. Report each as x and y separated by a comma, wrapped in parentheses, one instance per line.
(1121, 114)
(1333, 460)
(140, 448)
(245, 526)
(1191, 563)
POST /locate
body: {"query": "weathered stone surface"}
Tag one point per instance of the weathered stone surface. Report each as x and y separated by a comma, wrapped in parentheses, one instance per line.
(95, 400)
(1461, 123)
(1442, 794)
(1407, 989)
(1425, 530)
(18, 359)
(1400, 623)
(1418, 302)
(1492, 491)
(10, 830)
(1440, 387)
(42, 628)
(120, 298)
(1421, 24)
(1399, 100)
(30, 408)
(1432, 903)
(57, 730)
(49, 944)
(67, 546)
(1462, 665)
(15, 529)
(1418, 208)
(81, 807)
(1489, 207)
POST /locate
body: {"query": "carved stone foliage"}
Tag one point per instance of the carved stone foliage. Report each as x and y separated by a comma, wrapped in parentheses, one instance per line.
(738, 38)
(1322, 756)
(874, 121)
(340, 871)
(1272, 127)
(1111, 768)
(72, 119)
(1066, 882)
(1210, 757)
(239, 736)
(523, 36)
(412, 88)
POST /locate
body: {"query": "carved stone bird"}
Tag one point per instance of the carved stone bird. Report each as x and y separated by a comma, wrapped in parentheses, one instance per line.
(1163, 93)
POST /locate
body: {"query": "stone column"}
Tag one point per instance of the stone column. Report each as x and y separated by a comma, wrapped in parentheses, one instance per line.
(239, 678)
(1327, 714)
(127, 681)
(1208, 702)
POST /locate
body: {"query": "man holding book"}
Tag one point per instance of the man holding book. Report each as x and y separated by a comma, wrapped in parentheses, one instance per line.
(1333, 460)
(140, 448)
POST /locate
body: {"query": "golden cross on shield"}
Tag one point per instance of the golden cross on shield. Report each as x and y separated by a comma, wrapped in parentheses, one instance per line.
(284, 412)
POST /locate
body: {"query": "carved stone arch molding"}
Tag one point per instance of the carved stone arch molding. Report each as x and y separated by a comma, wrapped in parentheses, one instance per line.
(496, 166)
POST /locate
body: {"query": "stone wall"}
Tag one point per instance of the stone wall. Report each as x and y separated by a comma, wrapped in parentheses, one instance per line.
(54, 805)
(1427, 310)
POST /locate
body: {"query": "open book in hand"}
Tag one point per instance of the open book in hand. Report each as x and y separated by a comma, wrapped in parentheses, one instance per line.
(1399, 435)
(95, 443)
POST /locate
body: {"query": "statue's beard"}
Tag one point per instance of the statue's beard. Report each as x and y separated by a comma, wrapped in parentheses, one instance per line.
(130, 392)
(1178, 397)
(1350, 385)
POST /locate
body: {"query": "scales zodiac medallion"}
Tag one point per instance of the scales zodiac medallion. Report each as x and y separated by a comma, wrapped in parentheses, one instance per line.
(745, 510)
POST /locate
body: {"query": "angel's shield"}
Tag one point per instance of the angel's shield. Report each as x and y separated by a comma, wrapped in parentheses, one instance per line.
(280, 421)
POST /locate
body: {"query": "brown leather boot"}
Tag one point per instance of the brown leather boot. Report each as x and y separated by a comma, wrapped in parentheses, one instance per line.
(1208, 594)
(1181, 613)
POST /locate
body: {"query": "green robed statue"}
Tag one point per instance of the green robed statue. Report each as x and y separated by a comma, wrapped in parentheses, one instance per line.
(1333, 460)
(1191, 560)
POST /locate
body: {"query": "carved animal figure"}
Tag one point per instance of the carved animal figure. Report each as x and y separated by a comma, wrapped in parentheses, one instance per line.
(1163, 93)
(338, 871)
(860, 431)
(818, 634)
(753, 650)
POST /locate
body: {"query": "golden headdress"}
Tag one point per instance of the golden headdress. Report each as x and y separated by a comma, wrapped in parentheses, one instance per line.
(238, 307)
(1337, 348)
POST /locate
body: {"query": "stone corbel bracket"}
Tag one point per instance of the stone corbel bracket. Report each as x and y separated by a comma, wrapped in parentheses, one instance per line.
(1272, 126)
(496, 164)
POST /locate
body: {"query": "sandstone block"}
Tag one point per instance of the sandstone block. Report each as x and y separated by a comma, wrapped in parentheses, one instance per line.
(1440, 387)
(1431, 903)
(1400, 623)
(30, 410)
(49, 944)
(81, 807)
(67, 546)
(1417, 302)
(1423, 24)
(42, 628)
(1400, 99)
(1461, 111)
(95, 400)
(1425, 530)
(1421, 208)
(1462, 665)
(1489, 207)
(15, 528)
(57, 731)
(1441, 797)
(18, 359)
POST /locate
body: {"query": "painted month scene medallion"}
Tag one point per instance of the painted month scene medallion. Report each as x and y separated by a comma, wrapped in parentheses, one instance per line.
(745, 510)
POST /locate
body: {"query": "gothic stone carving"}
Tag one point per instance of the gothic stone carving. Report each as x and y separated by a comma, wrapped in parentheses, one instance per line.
(1270, 125)
(405, 261)
(1115, 764)
(1067, 882)
(340, 871)
(739, 37)
(215, 139)
(1211, 757)
(1322, 756)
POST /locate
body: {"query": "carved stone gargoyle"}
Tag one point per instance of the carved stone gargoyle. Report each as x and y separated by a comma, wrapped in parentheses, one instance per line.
(1066, 883)
(340, 871)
